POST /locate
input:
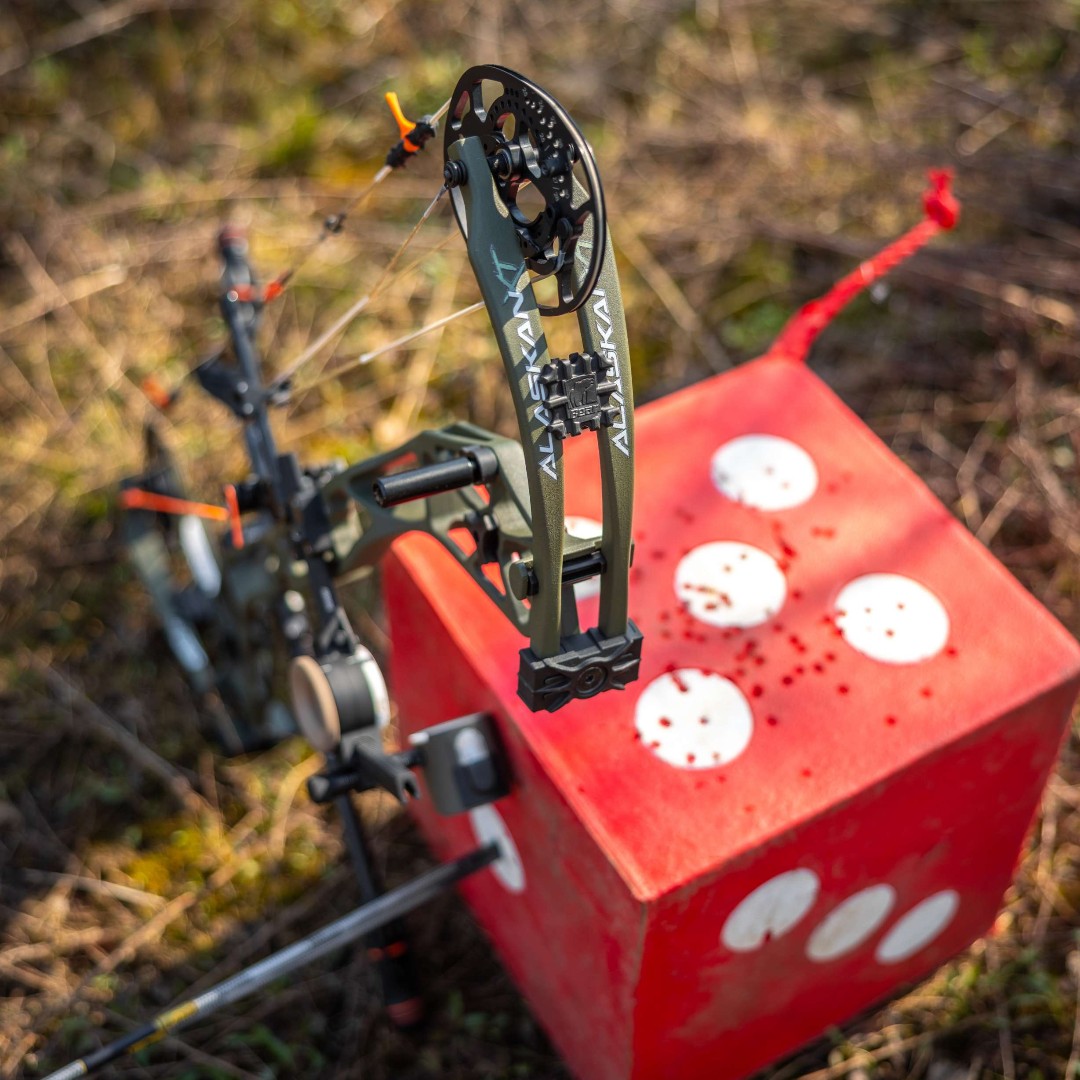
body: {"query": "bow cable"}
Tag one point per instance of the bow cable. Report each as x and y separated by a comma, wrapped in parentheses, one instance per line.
(413, 138)
(385, 278)
(412, 141)
(365, 358)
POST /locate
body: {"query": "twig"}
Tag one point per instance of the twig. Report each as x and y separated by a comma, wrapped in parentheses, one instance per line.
(78, 289)
(983, 287)
(1074, 1053)
(46, 950)
(27, 390)
(286, 793)
(97, 24)
(999, 512)
(674, 299)
(98, 885)
(866, 1057)
(155, 927)
(1064, 520)
(403, 413)
(972, 464)
(1043, 874)
(116, 733)
(110, 369)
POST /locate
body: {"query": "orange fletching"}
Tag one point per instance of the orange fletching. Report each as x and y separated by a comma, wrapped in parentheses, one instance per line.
(405, 125)
(137, 499)
(235, 524)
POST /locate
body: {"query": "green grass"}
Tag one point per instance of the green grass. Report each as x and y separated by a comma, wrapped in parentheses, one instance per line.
(751, 153)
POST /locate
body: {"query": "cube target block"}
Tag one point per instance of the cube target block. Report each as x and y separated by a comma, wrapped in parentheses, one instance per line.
(815, 793)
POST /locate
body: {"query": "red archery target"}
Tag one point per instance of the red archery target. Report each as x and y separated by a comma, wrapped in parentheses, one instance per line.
(816, 790)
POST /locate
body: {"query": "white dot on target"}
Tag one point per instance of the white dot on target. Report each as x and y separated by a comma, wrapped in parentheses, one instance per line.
(694, 719)
(488, 827)
(764, 471)
(918, 927)
(730, 584)
(771, 910)
(850, 923)
(892, 619)
(585, 528)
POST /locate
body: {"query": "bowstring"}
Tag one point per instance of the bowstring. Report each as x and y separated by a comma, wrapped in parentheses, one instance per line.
(385, 278)
(365, 358)
(333, 224)
(356, 309)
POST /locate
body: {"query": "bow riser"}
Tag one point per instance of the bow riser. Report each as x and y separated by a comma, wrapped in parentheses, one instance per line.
(602, 323)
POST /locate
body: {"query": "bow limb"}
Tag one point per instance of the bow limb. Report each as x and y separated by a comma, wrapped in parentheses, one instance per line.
(515, 320)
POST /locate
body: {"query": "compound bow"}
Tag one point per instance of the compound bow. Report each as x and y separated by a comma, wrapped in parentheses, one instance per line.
(294, 532)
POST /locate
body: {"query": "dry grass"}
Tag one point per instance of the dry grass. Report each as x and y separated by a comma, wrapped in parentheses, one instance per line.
(750, 150)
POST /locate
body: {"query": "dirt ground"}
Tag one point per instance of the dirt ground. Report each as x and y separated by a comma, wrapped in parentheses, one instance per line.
(751, 152)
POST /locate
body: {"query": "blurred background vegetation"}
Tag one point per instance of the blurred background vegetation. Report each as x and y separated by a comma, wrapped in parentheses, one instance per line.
(752, 151)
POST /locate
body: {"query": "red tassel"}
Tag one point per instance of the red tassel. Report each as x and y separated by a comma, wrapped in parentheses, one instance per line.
(942, 212)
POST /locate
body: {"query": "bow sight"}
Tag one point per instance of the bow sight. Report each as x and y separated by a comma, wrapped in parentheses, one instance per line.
(294, 531)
